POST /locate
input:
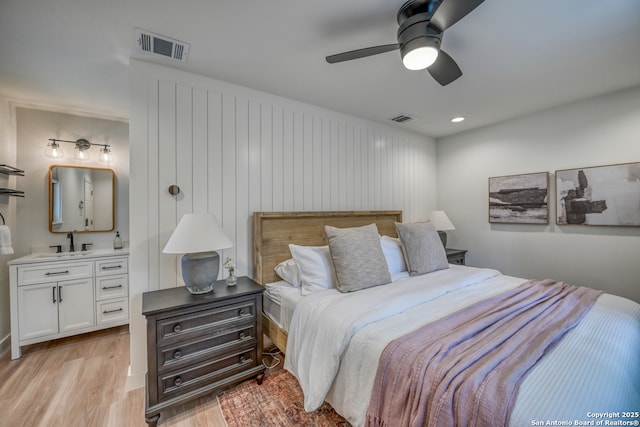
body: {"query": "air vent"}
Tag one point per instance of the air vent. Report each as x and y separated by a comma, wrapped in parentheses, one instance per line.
(401, 118)
(163, 46)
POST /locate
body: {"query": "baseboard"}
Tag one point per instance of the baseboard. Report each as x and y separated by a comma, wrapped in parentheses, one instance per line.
(134, 381)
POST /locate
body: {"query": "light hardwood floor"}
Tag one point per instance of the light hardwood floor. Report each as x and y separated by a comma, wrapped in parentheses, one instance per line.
(80, 381)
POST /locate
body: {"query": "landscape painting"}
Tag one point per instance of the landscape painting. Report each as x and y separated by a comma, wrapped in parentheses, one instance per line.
(600, 195)
(519, 199)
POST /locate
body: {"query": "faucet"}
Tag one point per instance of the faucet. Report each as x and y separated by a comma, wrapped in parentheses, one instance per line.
(71, 247)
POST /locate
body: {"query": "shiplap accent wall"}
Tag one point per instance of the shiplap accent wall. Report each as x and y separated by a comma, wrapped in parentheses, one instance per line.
(233, 151)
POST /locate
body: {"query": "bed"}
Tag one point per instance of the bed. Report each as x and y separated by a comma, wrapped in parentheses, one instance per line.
(335, 341)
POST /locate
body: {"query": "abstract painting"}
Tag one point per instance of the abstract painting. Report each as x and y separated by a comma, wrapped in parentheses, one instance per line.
(519, 199)
(599, 195)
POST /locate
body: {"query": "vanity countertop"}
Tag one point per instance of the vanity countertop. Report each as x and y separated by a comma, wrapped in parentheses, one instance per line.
(68, 256)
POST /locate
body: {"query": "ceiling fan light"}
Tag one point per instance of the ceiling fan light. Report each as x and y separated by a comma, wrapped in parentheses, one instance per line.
(420, 58)
(420, 53)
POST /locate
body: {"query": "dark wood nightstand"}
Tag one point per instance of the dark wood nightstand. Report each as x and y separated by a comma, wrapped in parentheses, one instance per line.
(456, 256)
(200, 344)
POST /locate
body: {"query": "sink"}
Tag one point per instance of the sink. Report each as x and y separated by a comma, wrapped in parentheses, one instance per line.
(64, 254)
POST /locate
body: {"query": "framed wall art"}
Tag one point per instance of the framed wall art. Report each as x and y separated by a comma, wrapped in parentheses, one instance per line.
(519, 199)
(599, 195)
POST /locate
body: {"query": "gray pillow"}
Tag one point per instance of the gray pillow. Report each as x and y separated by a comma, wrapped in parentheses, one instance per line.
(357, 256)
(422, 248)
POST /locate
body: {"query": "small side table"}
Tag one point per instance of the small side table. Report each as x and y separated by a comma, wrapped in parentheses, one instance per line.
(201, 344)
(456, 256)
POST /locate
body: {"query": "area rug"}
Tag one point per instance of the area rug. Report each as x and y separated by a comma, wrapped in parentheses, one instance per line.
(278, 402)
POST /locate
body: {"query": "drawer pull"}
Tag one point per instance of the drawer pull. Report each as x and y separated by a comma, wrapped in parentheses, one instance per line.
(177, 354)
(177, 381)
(240, 312)
(177, 328)
(111, 287)
(112, 311)
(241, 358)
(56, 273)
(54, 294)
(112, 267)
(241, 335)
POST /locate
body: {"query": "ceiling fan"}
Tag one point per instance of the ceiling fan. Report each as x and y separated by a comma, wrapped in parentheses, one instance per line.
(422, 24)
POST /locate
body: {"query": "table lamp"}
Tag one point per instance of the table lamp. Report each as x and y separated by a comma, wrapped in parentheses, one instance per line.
(198, 236)
(441, 222)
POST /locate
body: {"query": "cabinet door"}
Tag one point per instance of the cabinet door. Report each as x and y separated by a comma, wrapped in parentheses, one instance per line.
(76, 305)
(38, 310)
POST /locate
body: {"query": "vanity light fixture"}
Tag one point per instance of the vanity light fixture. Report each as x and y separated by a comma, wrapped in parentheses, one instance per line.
(105, 154)
(81, 153)
(82, 150)
(53, 150)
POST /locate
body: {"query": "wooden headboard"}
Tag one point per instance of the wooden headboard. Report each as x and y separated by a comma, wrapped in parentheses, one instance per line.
(273, 231)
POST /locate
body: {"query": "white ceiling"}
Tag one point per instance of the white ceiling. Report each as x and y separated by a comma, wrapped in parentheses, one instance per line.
(517, 56)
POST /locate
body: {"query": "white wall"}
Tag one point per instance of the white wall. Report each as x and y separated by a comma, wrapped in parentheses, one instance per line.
(8, 210)
(599, 131)
(234, 151)
(34, 128)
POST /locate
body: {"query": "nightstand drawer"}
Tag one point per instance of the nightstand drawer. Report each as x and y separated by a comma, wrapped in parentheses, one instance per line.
(201, 375)
(205, 322)
(456, 256)
(224, 341)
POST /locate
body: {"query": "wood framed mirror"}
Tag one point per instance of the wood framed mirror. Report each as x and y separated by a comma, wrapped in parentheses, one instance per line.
(81, 199)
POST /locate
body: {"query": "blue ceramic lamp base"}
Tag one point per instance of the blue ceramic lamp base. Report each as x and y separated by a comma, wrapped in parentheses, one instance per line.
(200, 271)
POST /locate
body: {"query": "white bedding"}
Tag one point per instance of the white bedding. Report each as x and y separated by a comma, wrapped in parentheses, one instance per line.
(335, 341)
(279, 302)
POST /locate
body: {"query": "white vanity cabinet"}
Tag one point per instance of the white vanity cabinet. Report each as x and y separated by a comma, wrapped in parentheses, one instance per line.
(59, 296)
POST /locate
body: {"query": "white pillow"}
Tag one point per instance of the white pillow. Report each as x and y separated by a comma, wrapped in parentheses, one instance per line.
(288, 271)
(392, 250)
(315, 268)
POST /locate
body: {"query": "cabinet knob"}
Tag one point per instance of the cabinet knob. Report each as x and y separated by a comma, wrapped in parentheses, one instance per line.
(242, 335)
(241, 358)
(177, 328)
(240, 312)
(177, 354)
(177, 381)
(174, 190)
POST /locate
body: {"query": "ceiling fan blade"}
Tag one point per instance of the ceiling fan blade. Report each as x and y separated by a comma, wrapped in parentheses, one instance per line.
(444, 70)
(361, 53)
(451, 11)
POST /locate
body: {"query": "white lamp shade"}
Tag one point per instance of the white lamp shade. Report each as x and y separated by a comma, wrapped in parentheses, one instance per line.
(197, 232)
(441, 221)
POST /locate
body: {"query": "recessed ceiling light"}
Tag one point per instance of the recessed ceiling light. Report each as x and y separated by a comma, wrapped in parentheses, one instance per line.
(457, 119)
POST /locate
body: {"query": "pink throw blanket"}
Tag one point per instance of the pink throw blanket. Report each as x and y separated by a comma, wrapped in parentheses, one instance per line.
(465, 369)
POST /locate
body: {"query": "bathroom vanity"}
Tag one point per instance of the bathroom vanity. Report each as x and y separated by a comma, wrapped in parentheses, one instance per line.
(59, 295)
